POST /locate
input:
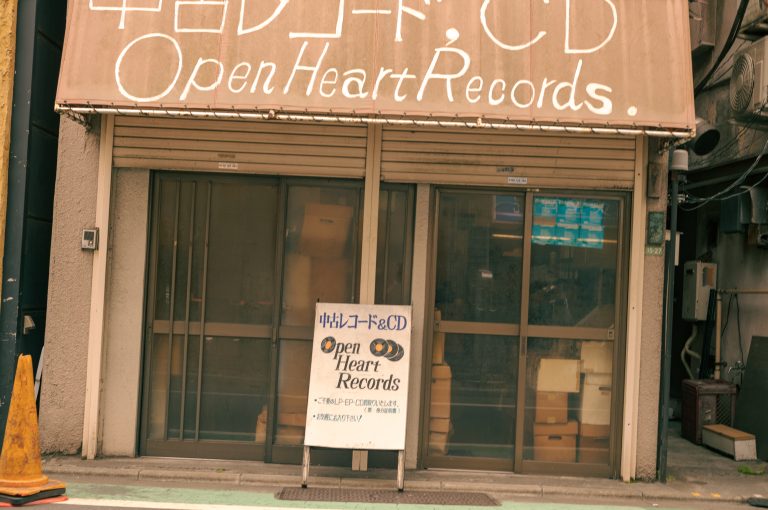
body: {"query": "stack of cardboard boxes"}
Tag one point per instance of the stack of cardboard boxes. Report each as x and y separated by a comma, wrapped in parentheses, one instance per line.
(595, 408)
(293, 383)
(440, 405)
(318, 270)
(554, 433)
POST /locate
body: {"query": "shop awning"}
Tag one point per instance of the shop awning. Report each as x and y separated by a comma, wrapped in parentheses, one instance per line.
(576, 65)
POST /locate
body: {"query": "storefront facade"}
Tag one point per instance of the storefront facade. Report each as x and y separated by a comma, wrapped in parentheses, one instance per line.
(520, 249)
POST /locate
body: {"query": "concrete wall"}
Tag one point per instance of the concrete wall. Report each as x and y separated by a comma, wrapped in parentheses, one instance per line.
(7, 63)
(124, 312)
(650, 343)
(62, 397)
(744, 267)
(739, 265)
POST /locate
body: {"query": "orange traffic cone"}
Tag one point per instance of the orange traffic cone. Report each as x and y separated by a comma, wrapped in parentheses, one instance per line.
(21, 471)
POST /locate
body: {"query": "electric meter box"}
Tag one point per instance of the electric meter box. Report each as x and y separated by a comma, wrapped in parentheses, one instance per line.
(699, 278)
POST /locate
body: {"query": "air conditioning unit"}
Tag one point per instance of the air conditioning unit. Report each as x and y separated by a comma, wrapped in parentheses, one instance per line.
(757, 11)
(749, 81)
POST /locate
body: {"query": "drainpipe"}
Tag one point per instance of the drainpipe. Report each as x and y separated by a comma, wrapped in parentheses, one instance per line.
(678, 164)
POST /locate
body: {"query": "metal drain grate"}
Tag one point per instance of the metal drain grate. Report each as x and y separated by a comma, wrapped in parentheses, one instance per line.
(387, 496)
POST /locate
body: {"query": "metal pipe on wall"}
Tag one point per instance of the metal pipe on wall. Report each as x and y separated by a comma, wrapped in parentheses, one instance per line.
(679, 163)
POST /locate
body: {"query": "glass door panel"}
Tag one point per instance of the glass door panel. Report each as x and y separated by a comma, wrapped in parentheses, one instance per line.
(569, 387)
(473, 397)
(320, 265)
(479, 257)
(573, 318)
(527, 297)
(212, 285)
(321, 250)
(395, 244)
(475, 349)
(227, 372)
(574, 262)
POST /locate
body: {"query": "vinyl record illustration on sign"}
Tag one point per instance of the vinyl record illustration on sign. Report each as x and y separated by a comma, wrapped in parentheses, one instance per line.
(393, 350)
(379, 347)
(399, 355)
(328, 344)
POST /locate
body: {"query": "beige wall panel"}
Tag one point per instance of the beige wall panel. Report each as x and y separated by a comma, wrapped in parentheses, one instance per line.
(124, 312)
(419, 293)
(259, 147)
(650, 345)
(62, 397)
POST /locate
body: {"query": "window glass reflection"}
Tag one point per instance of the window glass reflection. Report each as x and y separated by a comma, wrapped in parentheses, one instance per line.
(574, 262)
(479, 260)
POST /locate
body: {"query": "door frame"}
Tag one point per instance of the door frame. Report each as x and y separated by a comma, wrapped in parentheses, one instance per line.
(518, 464)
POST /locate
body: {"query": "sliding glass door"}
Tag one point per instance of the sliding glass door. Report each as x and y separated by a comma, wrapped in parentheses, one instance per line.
(237, 264)
(526, 347)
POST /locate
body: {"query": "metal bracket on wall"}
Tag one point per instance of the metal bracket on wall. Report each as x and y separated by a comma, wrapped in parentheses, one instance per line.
(653, 188)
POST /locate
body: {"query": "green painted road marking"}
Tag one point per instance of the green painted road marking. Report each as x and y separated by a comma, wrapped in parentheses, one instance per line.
(263, 499)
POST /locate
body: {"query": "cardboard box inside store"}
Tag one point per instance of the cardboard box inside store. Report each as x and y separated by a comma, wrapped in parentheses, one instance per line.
(440, 410)
(325, 230)
(331, 281)
(292, 419)
(440, 425)
(438, 442)
(310, 280)
(287, 434)
(293, 380)
(587, 430)
(261, 425)
(597, 357)
(441, 372)
(595, 407)
(438, 344)
(571, 428)
(554, 448)
(440, 392)
(559, 375)
(551, 407)
(298, 307)
(594, 450)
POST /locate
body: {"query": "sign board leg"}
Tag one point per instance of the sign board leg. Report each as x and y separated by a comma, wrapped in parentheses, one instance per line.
(305, 468)
(401, 470)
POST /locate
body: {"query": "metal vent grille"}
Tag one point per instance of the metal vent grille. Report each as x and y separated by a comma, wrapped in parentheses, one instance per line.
(742, 83)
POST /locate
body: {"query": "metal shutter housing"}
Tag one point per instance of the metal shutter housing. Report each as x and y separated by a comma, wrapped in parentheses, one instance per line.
(496, 157)
(277, 148)
(446, 156)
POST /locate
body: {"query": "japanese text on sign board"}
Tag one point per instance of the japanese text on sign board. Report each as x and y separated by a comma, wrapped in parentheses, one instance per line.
(359, 378)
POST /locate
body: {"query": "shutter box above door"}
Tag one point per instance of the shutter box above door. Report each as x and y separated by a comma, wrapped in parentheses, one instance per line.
(496, 158)
(259, 147)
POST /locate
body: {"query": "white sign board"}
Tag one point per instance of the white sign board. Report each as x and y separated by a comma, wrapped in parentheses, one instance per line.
(358, 386)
